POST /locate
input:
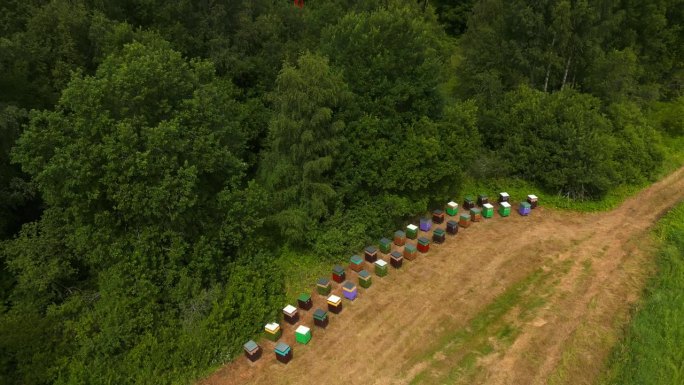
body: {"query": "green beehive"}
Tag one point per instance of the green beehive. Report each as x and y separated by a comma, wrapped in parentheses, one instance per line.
(365, 280)
(380, 268)
(505, 209)
(303, 334)
(487, 210)
(385, 245)
(323, 286)
(452, 208)
(411, 231)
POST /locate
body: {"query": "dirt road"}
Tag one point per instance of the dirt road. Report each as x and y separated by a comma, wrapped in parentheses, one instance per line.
(516, 300)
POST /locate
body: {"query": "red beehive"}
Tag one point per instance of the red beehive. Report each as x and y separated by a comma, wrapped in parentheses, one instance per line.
(299, 3)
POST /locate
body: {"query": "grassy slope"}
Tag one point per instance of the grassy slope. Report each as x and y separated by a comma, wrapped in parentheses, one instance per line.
(651, 351)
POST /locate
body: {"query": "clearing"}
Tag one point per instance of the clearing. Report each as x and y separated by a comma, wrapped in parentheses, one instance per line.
(516, 300)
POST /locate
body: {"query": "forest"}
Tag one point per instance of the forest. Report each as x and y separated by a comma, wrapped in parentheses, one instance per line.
(156, 157)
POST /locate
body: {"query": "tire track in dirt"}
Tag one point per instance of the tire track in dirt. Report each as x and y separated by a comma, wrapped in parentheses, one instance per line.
(383, 336)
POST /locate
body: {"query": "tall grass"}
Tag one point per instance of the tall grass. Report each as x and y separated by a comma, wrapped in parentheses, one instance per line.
(652, 351)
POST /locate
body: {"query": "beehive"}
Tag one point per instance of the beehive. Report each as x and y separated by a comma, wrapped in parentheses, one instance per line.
(338, 274)
(323, 286)
(464, 220)
(380, 268)
(482, 199)
(272, 331)
(349, 290)
(438, 216)
(356, 263)
(320, 318)
(468, 202)
(425, 224)
(371, 254)
(412, 231)
(365, 280)
(475, 214)
(252, 350)
(452, 208)
(525, 208)
(452, 227)
(487, 210)
(385, 245)
(399, 238)
(283, 352)
(304, 301)
(303, 334)
(504, 197)
(532, 200)
(505, 209)
(291, 314)
(439, 235)
(423, 245)
(396, 259)
(410, 251)
(334, 304)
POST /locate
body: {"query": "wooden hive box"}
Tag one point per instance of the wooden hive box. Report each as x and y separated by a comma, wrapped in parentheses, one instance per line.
(252, 350)
(439, 235)
(304, 301)
(468, 202)
(423, 244)
(356, 263)
(452, 227)
(525, 208)
(438, 217)
(283, 352)
(482, 199)
(452, 208)
(334, 304)
(464, 220)
(323, 286)
(396, 259)
(399, 238)
(338, 274)
(505, 209)
(475, 215)
(272, 331)
(504, 197)
(291, 314)
(533, 201)
(303, 334)
(320, 318)
(410, 252)
(370, 253)
(412, 231)
(365, 279)
(425, 224)
(487, 210)
(385, 245)
(380, 268)
(349, 290)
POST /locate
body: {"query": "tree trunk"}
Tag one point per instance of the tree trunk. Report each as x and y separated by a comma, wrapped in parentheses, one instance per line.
(548, 67)
(567, 68)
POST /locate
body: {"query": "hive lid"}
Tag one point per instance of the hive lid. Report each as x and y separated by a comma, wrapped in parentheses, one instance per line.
(525, 204)
(505, 204)
(250, 346)
(504, 194)
(385, 241)
(290, 310)
(483, 196)
(395, 254)
(355, 259)
(412, 227)
(381, 263)
(423, 240)
(319, 313)
(334, 299)
(302, 330)
(348, 285)
(425, 220)
(488, 206)
(465, 216)
(272, 327)
(364, 274)
(323, 281)
(337, 269)
(532, 196)
(452, 223)
(304, 297)
(438, 212)
(282, 348)
(475, 211)
(438, 231)
(399, 233)
(469, 198)
(452, 204)
(371, 249)
(410, 247)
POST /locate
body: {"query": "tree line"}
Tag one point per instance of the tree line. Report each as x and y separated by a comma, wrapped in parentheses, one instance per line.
(156, 156)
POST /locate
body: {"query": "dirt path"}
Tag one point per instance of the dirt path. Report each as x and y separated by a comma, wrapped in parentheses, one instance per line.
(516, 300)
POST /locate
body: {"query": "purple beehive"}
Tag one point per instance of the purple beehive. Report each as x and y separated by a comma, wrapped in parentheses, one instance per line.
(425, 224)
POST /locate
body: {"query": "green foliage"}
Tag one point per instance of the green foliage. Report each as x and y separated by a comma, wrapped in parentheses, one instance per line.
(650, 351)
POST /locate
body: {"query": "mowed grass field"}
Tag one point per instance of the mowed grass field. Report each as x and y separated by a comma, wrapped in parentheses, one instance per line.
(652, 351)
(517, 300)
